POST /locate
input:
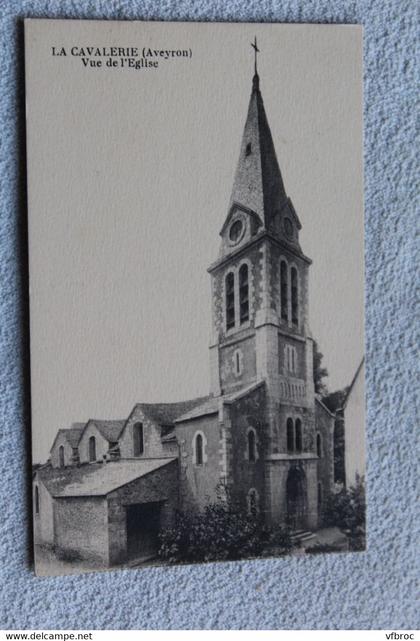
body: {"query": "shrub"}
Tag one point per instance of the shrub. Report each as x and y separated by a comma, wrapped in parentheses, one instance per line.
(280, 538)
(215, 534)
(222, 531)
(347, 510)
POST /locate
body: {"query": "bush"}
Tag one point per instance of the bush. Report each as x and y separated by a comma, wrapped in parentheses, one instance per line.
(218, 533)
(222, 531)
(347, 510)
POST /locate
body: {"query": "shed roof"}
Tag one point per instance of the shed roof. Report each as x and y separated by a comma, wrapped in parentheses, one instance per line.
(110, 429)
(71, 434)
(97, 479)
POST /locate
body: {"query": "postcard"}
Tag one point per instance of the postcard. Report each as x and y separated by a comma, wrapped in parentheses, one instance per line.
(195, 207)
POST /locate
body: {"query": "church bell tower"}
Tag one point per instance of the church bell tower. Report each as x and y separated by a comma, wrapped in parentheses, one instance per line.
(260, 304)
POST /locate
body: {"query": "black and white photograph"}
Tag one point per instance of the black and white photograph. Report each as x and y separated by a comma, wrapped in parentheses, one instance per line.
(195, 197)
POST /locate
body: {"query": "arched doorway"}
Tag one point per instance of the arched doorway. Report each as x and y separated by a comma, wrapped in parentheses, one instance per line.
(296, 493)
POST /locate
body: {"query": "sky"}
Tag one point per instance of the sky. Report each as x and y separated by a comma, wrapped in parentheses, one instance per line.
(129, 180)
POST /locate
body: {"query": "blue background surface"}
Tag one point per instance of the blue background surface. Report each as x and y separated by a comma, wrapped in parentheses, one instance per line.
(366, 590)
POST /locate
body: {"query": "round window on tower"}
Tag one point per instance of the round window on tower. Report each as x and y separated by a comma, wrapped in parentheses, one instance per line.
(288, 227)
(236, 231)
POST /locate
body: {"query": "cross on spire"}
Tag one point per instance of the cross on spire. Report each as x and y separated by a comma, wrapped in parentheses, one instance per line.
(256, 51)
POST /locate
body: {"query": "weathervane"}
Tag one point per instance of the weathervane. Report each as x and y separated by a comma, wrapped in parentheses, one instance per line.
(256, 50)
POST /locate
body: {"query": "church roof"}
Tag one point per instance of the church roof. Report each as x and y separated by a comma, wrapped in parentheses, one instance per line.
(110, 429)
(209, 406)
(212, 403)
(165, 414)
(97, 479)
(258, 183)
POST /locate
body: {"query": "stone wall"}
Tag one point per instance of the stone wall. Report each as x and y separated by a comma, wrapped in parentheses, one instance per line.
(232, 380)
(245, 414)
(307, 417)
(61, 441)
(153, 447)
(81, 527)
(198, 483)
(43, 520)
(102, 445)
(160, 486)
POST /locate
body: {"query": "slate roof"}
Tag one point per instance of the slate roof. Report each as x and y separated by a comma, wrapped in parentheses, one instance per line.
(209, 406)
(165, 414)
(211, 403)
(110, 430)
(97, 479)
(72, 434)
(258, 183)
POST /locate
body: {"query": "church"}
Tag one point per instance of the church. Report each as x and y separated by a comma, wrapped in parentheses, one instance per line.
(110, 486)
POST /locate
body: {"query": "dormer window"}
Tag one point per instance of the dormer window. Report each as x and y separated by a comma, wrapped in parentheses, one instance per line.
(248, 149)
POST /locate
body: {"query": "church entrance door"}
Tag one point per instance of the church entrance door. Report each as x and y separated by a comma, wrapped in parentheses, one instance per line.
(297, 503)
(143, 524)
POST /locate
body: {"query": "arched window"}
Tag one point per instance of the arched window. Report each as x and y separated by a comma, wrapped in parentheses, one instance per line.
(252, 446)
(294, 296)
(283, 291)
(319, 494)
(290, 357)
(253, 501)
(36, 500)
(298, 429)
(199, 450)
(138, 439)
(290, 436)
(92, 449)
(61, 456)
(230, 300)
(318, 445)
(243, 294)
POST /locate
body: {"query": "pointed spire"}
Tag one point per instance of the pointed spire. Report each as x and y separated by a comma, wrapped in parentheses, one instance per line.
(258, 184)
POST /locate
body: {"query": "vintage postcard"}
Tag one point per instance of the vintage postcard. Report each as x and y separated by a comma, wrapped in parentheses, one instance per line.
(195, 196)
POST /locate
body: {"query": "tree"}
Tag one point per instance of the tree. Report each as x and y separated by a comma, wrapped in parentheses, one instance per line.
(335, 400)
(319, 372)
